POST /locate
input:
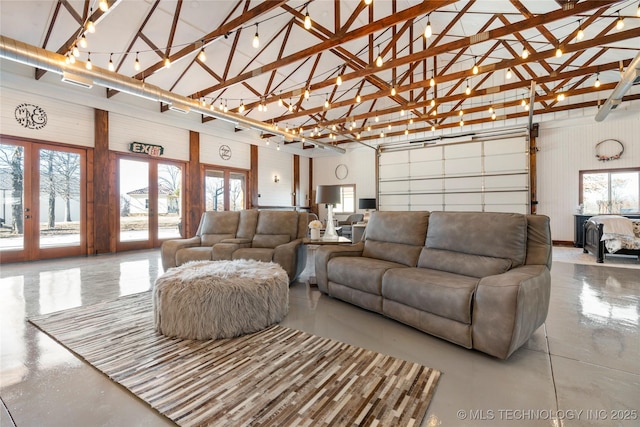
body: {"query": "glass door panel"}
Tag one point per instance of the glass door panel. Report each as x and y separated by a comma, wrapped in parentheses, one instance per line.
(237, 191)
(134, 200)
(169, 201)
(12, 194)
(59, 198)
(214, 190)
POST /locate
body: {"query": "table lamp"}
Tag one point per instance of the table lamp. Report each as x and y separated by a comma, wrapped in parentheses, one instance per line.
(329, 195)
(366, 204)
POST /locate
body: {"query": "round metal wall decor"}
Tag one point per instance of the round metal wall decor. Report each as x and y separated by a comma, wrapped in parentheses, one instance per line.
(30, 116)
(606, 146)
(342, 171)
(225, 152)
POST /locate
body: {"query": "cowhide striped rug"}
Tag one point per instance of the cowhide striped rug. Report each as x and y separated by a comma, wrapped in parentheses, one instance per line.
(275, 377)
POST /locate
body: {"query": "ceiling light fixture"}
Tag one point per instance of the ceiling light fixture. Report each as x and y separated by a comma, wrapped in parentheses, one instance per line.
(580, 34)
(377, 119)
(167, 62)
(226, 107)
(339, 80)
(241, 107)
(432, 81)
(307, 20)
(88, 64)
(75, 51)
(290, 106)
(597, 82)
(379, 60)
(509, 74)
(83, 41)
(638, 11)
(561, 96)
(307, 93)
(433, 102)
(475, 69)
(493, 115)
(111, 66)
(620, 22)
(402, 111)
(381, 134)
(433, 128)
(525, 53)
(368, 2)
(428, 32)
(221, 106)
(326, 103)
(280, 103)
(393, 90)
(91, 27)
(468, 89)
(406, 131)
(358, 98)
(256, 39)
(136, 64)
(558, 52)
(103, 5)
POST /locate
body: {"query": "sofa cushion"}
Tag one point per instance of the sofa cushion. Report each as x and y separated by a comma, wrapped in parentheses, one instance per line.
(539, 240)
(278, 222)
(364, 274)
(269, 240)
(215, 226)
(199, 253)
(396, 236)
(438, 292)
(247, 224)
(258, 254)
(498, 235)
(465, 264)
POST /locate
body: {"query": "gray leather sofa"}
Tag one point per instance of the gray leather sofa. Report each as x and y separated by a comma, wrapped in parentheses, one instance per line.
(266, 235)
(480, 280)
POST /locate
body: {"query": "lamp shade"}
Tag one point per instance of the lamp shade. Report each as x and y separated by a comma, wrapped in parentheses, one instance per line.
(328, 194)
(367, 203)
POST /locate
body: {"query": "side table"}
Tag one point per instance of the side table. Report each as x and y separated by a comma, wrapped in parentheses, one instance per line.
(358, 231)
(312, 245)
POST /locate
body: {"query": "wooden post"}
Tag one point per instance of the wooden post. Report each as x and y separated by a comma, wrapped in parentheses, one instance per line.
(99, 228)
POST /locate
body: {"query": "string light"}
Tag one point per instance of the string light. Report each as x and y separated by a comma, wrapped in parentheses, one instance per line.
(509, 74)
(402, 111)
(368, 2)
(103, 5)
(167, 62)
(256, 39)
(432, 81)
(493, 115)
(525, 53)
(280, 103)
(428, 32)
(468, 89)
(558, 52)
(475, 69)
(339, 80)
(202, 56)
(136, 64)
(307, 94)
(638, 11)
(393, 90)
(433, 128)
(112, 67)
(379, 60)
(241, 107)
(226, 107)
(358, 98)
(326, 103)
(88, 64)
(377, 118)
(433, 102)
(620, 23)
(72, 59)
(307, 20)
(83, 41)
(597, 82)
(91, 27)
(561, 96)
(221, 106)
(381, 134)
(290, 106)
(406, 131)
(580, 34)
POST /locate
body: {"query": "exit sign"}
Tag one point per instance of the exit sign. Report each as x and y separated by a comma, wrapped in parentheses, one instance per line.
(150, 149)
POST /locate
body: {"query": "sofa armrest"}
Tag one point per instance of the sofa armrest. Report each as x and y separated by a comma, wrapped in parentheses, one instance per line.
(325, 253)
(170, 247)
(287, 256)
(509, 307)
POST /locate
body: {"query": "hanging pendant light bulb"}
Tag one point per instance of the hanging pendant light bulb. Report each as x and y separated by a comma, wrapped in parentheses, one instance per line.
(91, 27)
(402, 111)
(358, 98)
(226, 107)
(433, 102)
(326, 103)
(381, 134)
(406, 131)
(411, 121)
(339, 80)
(620, 22)
(88, 64)
(561, 96)
(432, 81)
(256, 39)
(72, 59)
(433, 128)
(111, 66)
(558, 52)
(75, 51)
(509, 74)
(638, 11)
(377, 118)
(525, 53)
(241, 107)
(597, 82)
(393, 90)
(167, 62)
(290, 106)
(580, 34)
(475, 68)
(103, 5)
(467, 91)
(307, 20)
(379, 60)
(202, 56)
(260, 107)
(264, 106)
(221, 106)
(368, 2)
(83, 41)
(493, 115)
(280, 102)
(461, 122)
(307, 94)
(428, 32)
(136, 64)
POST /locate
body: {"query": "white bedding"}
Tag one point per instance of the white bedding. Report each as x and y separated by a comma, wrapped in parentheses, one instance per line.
(619, 232)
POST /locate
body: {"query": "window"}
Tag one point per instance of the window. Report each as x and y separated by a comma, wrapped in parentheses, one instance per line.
(607, 191)
(347, 203)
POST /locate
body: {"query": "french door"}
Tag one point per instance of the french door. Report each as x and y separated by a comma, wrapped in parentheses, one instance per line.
(150, 202)
(225, 189)
(42, 200)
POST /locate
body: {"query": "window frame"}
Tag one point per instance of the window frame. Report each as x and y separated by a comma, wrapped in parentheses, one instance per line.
(342, 198)
(607, 171)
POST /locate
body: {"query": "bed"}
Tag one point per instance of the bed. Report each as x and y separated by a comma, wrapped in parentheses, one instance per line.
(611, 234)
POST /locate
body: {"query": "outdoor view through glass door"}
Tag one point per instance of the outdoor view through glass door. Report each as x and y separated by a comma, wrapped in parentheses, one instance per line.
(42, 201)
(150, 202)
(225, 190)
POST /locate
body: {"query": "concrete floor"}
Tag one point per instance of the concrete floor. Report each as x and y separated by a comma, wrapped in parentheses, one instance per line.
(581, 368)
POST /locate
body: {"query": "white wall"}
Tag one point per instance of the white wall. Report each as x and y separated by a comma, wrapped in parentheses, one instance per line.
(271, 163)
(567, 147)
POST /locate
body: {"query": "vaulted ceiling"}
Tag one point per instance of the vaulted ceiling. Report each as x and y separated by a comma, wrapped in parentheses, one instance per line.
(325, 80)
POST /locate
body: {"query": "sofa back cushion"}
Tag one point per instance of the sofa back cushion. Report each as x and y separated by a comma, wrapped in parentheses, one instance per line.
(466, 264)
(248, 223)
(488, 234)
(216, 226)
(396, 236)
(275, 228)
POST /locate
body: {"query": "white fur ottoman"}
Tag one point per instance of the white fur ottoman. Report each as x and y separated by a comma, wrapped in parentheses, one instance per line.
(220, 299)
